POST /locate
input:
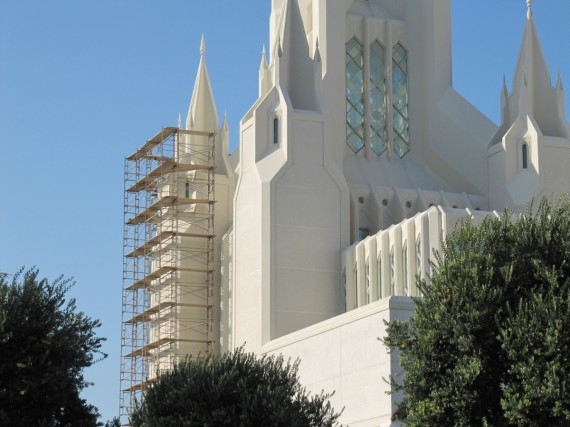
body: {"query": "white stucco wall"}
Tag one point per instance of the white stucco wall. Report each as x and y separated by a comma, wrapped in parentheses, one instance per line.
(344, 355)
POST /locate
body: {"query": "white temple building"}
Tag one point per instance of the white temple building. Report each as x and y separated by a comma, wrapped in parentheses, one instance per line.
(355, 160)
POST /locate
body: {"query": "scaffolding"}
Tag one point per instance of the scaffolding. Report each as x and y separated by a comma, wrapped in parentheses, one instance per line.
(168, 262)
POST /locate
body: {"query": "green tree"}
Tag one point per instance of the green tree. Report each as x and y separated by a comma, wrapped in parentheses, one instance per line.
(233, 389)
(489, 342)
(45, 344)
(115, 422)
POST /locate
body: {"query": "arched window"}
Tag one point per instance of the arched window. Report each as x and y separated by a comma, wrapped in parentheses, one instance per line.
(276, 130)
(525, 156)
(187, 190)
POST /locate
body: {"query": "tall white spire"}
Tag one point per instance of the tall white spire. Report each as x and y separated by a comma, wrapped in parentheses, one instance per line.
(531, 60)
(202, 113)
(532, 93)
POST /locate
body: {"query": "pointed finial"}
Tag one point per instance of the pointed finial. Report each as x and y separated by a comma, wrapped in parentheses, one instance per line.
(529, 6)
(225, 122)
(505, 90)
(263, 59)
(559, 84)
(203, 45)
(179, 121)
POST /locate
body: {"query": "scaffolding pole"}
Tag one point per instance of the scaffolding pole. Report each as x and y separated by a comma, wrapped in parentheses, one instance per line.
(168, 257)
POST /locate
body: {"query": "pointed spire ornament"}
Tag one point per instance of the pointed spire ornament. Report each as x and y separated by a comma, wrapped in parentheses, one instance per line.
(203, 45)
(529, 8)
(559, 85)
(225, 123)
(263, 59)
(202, 112)
(505, 89)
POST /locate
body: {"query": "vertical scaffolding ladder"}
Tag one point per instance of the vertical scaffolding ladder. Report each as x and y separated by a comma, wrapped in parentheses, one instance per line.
(168, 262)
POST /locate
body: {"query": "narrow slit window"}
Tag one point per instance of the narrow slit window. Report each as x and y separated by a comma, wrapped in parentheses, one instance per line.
(187, 190)
(525, 156)
(276, 130)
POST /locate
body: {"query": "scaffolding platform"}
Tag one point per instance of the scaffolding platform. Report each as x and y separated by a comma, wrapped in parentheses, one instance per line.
(168, 262)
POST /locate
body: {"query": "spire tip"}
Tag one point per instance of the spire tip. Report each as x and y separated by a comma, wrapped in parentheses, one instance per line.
(529, 8)
(203, 45)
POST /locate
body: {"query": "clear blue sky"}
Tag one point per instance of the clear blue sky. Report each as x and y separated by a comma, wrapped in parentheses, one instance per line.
(84, 83)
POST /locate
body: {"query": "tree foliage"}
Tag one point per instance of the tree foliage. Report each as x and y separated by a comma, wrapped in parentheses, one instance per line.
(489, 342)
(45, 344)
(233, 389)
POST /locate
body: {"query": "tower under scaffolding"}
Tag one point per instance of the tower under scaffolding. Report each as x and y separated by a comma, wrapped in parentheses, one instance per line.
(168, 263)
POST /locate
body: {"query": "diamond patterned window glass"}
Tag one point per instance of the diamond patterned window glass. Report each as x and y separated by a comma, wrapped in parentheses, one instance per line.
(400, 124)
(378, 128)
(354, 95)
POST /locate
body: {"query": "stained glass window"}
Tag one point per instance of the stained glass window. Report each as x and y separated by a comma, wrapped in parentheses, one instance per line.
(378, 130)
(400, 124)
(354, 95)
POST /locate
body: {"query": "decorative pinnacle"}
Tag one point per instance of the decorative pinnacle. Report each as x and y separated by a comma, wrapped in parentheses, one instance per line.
(203, 46)
(529, 6)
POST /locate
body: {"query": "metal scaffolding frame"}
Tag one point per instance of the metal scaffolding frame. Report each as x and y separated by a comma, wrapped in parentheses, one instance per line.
(168, 262)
